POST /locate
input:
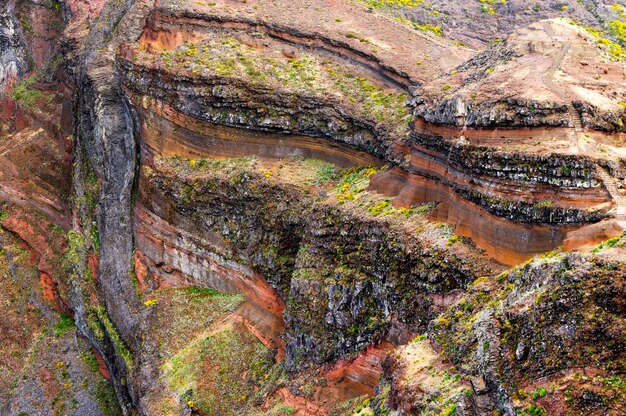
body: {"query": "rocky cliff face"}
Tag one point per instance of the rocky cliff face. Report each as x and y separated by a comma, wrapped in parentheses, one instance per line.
(527, 334)
(266, 208)
(367, 277)
(15, 61)
(491, 90)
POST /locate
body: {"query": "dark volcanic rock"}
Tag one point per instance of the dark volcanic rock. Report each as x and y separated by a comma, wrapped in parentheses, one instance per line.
(15, 60)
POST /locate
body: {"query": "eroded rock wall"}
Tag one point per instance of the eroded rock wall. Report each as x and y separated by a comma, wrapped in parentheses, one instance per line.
(345, 277)
(15, 60)
(315, 279)
(106, 159)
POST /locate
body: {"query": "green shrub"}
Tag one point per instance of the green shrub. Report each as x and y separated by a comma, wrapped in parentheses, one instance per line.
(24, 95)
(380, 208)
(64, 324)
(539, 393)
(393, 4)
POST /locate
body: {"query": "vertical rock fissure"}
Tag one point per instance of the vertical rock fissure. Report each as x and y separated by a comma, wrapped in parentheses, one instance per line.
(105, 137)
(86, 320)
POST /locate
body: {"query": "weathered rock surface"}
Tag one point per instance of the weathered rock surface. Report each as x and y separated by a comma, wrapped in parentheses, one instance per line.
(15, 61)
(492, 90)
(200, 190)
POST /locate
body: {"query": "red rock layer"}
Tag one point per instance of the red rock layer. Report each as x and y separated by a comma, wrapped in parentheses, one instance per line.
(365, 368)
(166, 132)
(433, 164)
(173, 257)
(46, 249)
(506, 241)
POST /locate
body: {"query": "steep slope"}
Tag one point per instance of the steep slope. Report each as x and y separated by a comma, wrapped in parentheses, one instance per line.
(542, 339)
(480, 23)
(278, 207)
(14, 59)
(49, 367)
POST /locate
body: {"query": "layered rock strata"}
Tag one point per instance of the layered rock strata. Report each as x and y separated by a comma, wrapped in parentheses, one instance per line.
(261, 225)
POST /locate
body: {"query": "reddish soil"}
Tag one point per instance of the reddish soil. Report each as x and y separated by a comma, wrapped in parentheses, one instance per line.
(303, 407)
(51, 385)
(44, 246)
(83, 13)
(93, 261)
(141, 270)
(377, 36)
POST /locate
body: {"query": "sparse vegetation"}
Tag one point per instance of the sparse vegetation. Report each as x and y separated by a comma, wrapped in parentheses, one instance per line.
(212, 367)
(26, 95)
(63, 325)
(612, 242)
(304, 74)
(101, 325)
(397, 8)
(281, 410)
(618, 29)
(393, 4)
(105, 396)
(539, 393)
(380, 208)
(75, 249)
(90, 360)
(548, 203)
(614, 50)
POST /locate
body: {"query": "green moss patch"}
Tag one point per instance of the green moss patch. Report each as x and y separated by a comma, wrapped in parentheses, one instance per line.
(28, 95)
(64, 324)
